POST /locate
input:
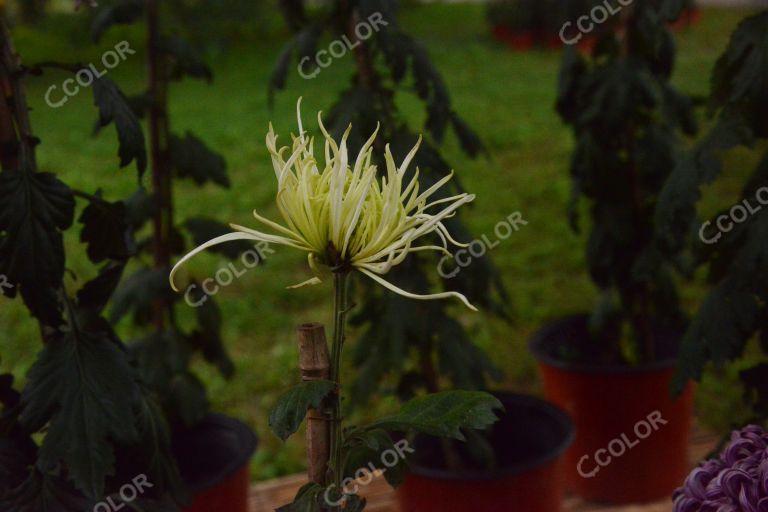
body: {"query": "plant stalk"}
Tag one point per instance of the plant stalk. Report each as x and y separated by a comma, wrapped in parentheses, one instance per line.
(340, 309)
(159, 129)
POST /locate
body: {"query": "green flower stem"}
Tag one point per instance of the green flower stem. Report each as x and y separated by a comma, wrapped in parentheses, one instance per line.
(340, 308)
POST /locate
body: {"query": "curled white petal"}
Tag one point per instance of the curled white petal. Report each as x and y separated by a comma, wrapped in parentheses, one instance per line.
(431, 296)
(229, 237)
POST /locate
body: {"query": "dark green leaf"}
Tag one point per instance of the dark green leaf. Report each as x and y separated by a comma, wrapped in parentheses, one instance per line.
(469, 140)
(113, 107)
(208, 336)
(96, 293)
(139, 208)
(374, 449)
(83, 389)
(151, 456)
(119, 12)
(186, 60)
(188, 398)
(138, 292)
(444, 414)
(105, 231)
(292, 406)
(307, 499)
(194, 160)
(45, 493)
(34, 210)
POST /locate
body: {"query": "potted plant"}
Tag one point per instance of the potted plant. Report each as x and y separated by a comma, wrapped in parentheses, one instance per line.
(513, 22)
(409, 348)
(730, 243)
(64, 437)
(611, 370)
(125, 424)
(213, 451)
(348, 223)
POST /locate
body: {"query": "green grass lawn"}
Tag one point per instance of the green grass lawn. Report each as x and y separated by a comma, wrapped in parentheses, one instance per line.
(507, 97)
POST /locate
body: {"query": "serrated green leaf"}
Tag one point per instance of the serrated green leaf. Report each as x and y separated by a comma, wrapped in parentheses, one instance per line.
(34, 210)
(188, 398)
(185, 59)
(83, 389)
(155, 449)
(292, 406)
(114, 108)
(138, 292)
(105, 231)
(307, 499)
(45, 493)
(139, 208)
(207, 338)
(444, 414)
(98, 291)
(193, 159)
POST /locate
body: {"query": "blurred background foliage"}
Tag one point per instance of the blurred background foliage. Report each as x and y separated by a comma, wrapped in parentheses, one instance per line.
(508, 98)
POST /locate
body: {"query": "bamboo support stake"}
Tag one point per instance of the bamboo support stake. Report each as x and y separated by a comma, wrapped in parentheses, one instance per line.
(314, 364)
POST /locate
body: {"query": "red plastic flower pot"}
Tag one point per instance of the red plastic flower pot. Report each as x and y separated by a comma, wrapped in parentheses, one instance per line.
(631, 435)
(213, 460)
(518, 40)
(689, 17)
(528, 441)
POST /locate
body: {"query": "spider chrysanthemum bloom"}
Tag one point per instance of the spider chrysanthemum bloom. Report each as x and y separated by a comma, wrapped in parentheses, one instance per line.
(736, 481)
(343, 216)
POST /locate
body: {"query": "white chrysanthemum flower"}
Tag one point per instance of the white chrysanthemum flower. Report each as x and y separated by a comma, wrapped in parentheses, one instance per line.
(343, 216)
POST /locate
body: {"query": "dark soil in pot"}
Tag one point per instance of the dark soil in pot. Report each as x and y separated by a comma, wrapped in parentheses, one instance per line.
(213, 459)
(528, 441)
(631, 435)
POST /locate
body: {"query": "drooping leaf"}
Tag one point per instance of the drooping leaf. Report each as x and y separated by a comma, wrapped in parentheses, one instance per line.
(185, 59)
(152, 456)
(34, 210)
(207, 337)
(45, 493)
(105, 231)
(188, 397)
(163, 359)
(98, 291)
(308, 499)
(444, 414)
(374, 449)
(83, 389)
(740, 78)
(292, 406)
(120, 12)
(138, 292)
(718, 333)
(304, 46)
(279, 76)
(193, 159)
(114, 107)
(139, 208)
(469, 140)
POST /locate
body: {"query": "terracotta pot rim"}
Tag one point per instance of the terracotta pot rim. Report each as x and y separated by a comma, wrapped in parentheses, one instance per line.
(544, 338)
(243, 441)
(522, 402)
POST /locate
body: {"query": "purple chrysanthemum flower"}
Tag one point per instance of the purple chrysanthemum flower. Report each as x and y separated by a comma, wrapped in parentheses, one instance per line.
(737, 481)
